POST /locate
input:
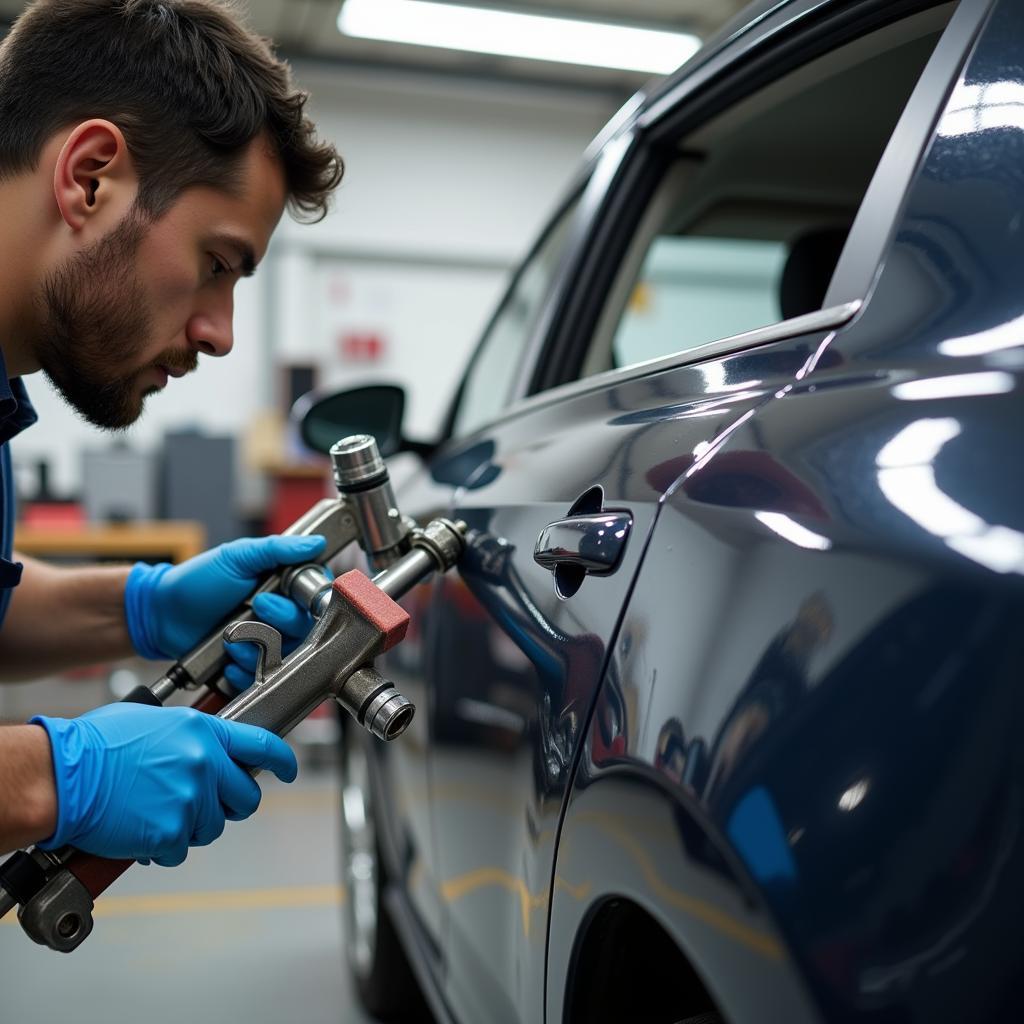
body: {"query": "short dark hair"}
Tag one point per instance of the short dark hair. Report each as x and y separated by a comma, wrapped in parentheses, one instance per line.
(188, 84)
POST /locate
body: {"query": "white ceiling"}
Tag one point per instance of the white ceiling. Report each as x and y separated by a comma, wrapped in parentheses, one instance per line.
(307, 28)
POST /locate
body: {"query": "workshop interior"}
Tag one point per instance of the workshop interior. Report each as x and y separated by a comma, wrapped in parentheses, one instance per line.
(656, 380)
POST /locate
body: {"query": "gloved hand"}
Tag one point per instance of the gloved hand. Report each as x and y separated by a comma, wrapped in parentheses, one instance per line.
(169, 609)
(146, 783)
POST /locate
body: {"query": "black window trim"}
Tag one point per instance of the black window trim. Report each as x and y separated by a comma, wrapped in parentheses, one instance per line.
(578, 189)
(718, 85)
(880, 211)
(602, 162)
(818, 322)
(607, 168)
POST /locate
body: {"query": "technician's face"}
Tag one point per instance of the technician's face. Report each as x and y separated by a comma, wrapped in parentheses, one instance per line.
(122, 316)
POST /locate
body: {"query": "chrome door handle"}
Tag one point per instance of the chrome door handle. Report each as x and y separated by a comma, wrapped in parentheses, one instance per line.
(593, 543)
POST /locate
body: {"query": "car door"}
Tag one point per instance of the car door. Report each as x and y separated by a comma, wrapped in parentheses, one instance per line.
(517, 657)
(804, 759)
(402, 771)
(567, 485)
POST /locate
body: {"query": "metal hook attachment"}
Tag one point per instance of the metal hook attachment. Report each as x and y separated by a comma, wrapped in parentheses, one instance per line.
(265, 637)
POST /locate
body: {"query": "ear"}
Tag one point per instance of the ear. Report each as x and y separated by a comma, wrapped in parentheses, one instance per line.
(94, 177)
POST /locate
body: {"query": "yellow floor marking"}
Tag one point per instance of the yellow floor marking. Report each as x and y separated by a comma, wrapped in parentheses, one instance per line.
(285, 897)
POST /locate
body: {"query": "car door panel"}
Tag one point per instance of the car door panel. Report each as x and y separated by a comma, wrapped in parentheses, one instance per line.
(402, 769)
(848, 730)
(835, 698)
(506, 672)
(514, 669)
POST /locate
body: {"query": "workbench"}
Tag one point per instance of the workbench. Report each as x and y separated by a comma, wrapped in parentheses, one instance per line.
(172, 540)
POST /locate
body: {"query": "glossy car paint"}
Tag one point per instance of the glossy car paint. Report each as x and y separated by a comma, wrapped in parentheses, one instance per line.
(839, 742)
(513, 670)
(801, 759)
(402, 770)
(531, 678)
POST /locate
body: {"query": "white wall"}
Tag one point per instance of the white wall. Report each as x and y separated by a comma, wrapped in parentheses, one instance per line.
(447, 182)
(446, 185)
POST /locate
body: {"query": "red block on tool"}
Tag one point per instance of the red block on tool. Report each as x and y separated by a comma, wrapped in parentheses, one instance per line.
(388, 616)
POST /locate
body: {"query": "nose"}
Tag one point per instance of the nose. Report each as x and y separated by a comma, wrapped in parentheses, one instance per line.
(210, 330)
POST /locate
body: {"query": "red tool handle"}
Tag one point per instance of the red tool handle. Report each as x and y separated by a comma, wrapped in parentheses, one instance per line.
(211, 703)
(97, 874)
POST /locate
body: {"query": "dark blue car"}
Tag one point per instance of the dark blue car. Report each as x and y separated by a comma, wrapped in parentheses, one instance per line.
(723, 717)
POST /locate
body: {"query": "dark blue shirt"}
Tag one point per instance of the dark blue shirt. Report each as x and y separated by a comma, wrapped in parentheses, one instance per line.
(16, 413)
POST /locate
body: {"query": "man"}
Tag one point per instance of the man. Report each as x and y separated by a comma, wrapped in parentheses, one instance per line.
(147, 151)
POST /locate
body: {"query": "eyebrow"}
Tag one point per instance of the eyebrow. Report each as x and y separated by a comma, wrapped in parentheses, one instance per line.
(246, 253)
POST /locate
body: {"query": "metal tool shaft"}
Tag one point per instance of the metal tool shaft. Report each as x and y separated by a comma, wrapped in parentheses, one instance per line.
(205, 663)
(339, 646)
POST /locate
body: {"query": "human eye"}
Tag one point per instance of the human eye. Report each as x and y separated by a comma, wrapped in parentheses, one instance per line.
(218, 266)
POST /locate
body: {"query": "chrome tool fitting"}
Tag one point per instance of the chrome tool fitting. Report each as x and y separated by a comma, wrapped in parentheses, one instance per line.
(361, 476)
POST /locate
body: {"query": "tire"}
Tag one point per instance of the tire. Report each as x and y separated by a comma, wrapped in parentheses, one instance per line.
(376, 960)
(704, 1018)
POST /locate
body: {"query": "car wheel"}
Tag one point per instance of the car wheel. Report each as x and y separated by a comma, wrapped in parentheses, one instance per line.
(376, 959)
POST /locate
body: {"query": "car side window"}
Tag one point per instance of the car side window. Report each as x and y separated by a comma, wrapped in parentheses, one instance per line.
(491, 374)
(692, 290)
(752, 210)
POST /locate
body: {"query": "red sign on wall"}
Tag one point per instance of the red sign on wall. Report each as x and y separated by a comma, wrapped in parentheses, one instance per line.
(362, 347)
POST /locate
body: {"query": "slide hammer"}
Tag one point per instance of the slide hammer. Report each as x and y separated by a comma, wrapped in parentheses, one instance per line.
(357, 618)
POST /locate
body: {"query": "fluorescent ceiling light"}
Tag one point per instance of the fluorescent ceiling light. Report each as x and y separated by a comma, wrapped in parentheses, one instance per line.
(509, 34)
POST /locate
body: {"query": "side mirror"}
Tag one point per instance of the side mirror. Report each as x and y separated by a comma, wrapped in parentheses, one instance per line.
(376, 410)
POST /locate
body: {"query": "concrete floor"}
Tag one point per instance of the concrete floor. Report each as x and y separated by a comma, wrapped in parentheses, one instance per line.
(246, 930)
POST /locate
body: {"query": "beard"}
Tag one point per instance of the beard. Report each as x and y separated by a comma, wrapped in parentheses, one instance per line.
(95, 320)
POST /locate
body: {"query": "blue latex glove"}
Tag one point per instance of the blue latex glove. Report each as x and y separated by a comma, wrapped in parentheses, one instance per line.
(169, 609)
(146, 783)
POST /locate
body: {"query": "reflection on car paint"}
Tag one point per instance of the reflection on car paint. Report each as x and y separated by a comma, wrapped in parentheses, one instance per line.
(804, 758)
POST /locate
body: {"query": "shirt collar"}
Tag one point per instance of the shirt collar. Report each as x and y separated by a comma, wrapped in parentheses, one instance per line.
(16, 412)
